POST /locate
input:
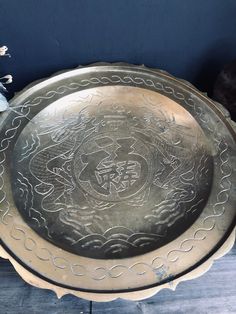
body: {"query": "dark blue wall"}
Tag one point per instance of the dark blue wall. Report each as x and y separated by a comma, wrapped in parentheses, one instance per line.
(191, 39)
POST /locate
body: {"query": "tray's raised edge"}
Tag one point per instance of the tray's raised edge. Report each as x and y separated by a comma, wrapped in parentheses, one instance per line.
(220, 107)
(142, 294)
(134, 296)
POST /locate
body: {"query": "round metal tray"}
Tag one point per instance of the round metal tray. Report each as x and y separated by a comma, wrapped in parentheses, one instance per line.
(116, 181)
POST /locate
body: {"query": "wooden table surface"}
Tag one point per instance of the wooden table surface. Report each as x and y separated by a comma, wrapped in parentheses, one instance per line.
(214, 292)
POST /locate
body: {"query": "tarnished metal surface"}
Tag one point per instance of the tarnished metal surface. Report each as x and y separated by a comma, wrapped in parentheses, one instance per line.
(115, 178)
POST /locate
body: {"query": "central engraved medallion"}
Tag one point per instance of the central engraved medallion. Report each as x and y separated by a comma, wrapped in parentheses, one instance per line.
(111, 167)
(106, 173)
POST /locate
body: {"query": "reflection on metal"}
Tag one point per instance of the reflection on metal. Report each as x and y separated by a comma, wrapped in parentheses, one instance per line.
(118, 177)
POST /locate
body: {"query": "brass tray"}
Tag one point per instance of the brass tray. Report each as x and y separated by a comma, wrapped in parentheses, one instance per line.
(115, 181)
